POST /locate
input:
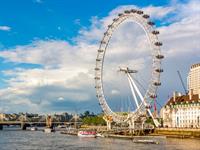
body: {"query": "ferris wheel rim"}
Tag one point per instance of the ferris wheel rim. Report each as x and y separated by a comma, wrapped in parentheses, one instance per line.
(143, 21)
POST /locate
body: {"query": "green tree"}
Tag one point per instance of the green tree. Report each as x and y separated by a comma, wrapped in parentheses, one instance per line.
(94, 120)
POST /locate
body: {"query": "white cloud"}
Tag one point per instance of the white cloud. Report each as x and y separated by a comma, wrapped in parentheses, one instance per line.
(182, 36)
(60, 99)
(51, 54)
(159, 12)
(115, 92)
(63, 67)
(5, 28)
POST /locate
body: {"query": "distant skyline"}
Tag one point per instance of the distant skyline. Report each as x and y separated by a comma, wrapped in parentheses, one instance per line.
(48, 49)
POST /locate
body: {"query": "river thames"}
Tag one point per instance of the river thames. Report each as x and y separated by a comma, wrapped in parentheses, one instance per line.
(38, 140)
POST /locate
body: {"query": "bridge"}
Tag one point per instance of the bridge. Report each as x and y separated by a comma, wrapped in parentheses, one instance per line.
(48, 121)
(25, 124)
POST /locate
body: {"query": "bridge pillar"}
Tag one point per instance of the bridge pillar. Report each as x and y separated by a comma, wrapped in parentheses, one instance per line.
(131, 126)
(109, 121)
(109, 126)
(1, 127)
(23, 126)
(49, 122)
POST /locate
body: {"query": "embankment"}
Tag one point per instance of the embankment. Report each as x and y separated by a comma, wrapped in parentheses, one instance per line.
(178, 132)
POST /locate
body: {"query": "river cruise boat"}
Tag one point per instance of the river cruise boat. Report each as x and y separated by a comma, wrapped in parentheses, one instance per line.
(91, 134)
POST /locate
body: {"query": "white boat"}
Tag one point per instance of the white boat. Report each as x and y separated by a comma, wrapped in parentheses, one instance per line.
(146, 141)
(48, 130)
(91, 134)
(33, 128)
(99, 135)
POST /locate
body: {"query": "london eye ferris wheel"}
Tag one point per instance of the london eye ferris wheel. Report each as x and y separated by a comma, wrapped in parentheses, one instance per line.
(141, 100)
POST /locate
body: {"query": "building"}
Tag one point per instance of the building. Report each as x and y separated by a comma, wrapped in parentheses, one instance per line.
(194, 79)
(2, 116)
(184, 110)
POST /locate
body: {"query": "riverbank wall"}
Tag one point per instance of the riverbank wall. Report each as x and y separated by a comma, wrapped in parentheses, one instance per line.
(178, 132)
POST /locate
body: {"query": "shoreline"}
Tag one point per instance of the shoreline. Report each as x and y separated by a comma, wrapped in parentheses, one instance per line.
(178, 133)
(157, 132)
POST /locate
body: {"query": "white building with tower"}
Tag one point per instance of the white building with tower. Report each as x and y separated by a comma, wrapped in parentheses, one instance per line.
(183, 111)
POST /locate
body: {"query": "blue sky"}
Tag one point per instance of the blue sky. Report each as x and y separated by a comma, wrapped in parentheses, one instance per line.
(32, 19)
(46, 45)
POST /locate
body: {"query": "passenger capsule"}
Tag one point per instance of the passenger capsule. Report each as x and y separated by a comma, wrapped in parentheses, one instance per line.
(98, 96)
(120, 14)
(127, 11)
(100, 103)
(133, 10)
(139, 12)
(159, 70)
(100, 50)
(98, 59)
(159, 56)
(155, 32)
(157, 83)
(151, 23)
(148, 107)
(97, 87)
(115, 19)
(145, 16)
(96, 69)
(103, 42)
(153, 96)
(158, 43)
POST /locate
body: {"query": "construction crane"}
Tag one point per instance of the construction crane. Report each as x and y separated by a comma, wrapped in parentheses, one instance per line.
(181, 79)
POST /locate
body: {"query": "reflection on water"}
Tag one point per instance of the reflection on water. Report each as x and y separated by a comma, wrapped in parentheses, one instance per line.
(37, 140)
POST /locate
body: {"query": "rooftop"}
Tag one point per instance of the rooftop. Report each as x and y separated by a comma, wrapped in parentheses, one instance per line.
(195, 65)
(183, 99)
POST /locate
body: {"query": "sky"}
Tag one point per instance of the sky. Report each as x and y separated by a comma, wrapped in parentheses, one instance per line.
(48, 50)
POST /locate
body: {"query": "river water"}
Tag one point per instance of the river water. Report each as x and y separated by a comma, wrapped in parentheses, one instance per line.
(38, 140)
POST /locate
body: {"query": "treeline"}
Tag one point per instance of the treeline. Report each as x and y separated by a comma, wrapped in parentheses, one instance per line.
(92, 119)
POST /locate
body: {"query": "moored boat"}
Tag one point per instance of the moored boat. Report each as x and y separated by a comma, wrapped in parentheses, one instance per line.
(33, 128)
(49, 130)
(146, 141)
(92, 134)
(99, 135)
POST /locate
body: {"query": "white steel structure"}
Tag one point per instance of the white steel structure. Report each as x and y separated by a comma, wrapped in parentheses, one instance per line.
(143, 102)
